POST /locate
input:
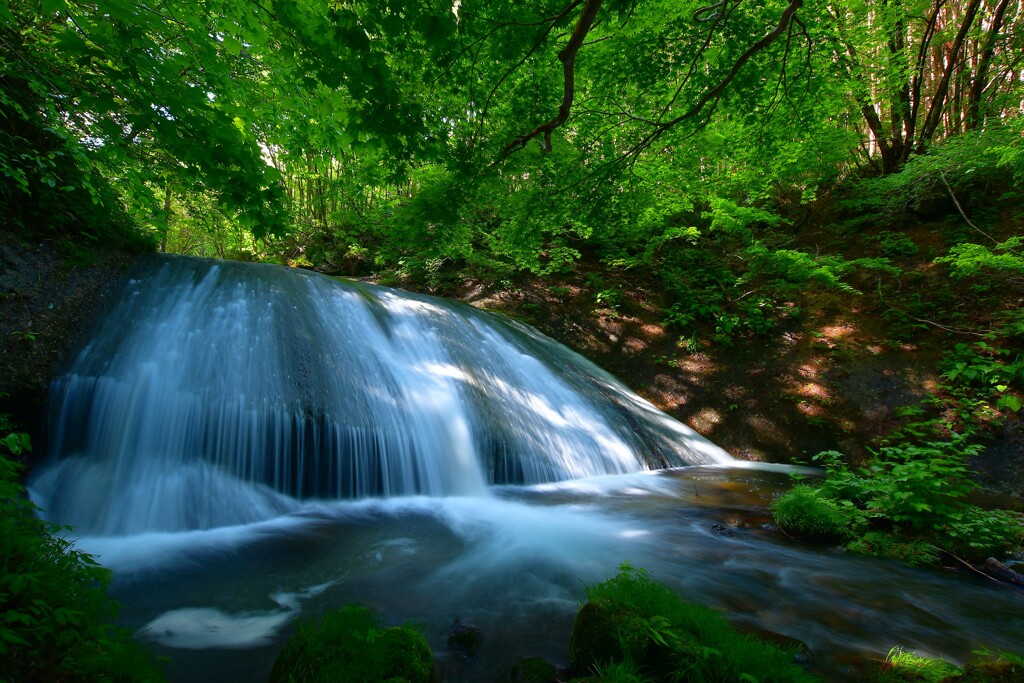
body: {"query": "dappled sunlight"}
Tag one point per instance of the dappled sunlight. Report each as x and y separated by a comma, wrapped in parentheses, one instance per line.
(635, 345)
(706, 419)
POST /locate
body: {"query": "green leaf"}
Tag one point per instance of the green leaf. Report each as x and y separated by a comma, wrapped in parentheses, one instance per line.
(1009, 402)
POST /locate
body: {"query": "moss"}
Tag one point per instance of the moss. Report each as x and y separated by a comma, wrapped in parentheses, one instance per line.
(533, 670)
(999, 671)
(349, 645)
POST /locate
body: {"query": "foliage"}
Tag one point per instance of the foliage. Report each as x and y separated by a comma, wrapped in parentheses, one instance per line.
(975, 374)
(636, 627)
(809, 512)
(349, 645)
(968, 259)
(902, 665)
(909, 497)
(971, 164)
(917, 553)
(57, 620)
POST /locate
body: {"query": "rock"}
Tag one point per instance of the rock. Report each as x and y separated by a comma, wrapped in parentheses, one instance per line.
(721, 530)
(533, 670)
(465, 638)
(990, 672)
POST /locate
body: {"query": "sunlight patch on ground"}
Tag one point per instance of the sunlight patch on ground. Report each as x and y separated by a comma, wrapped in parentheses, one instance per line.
(634, 344)
(706, 418)
(652, 331)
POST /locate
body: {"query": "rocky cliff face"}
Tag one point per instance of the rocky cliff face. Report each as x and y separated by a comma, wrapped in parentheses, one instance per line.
(50, 298)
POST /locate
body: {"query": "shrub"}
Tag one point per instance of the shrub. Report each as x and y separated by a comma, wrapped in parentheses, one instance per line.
(910, 499)
(901, 665)
(56, 619)
(349, 645)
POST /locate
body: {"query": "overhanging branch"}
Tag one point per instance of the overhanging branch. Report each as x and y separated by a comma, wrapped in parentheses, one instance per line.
(568, 58)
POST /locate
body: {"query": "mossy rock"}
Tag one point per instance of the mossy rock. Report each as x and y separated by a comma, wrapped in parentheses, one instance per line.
(595, 635)
(991, 672)
(534, 670)
(608, 632)
(465, 638)
(349, 645)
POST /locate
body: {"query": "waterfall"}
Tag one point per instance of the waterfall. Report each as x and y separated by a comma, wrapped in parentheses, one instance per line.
(220, 393)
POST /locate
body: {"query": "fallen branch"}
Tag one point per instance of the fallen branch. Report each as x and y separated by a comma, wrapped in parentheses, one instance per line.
(961, 209)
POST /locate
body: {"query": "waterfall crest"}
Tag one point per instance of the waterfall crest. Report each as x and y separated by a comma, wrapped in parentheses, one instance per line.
(220, 393)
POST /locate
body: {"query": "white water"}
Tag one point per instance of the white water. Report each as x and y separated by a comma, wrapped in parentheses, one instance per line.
(221, 602)
(218, 393)
(249, 447)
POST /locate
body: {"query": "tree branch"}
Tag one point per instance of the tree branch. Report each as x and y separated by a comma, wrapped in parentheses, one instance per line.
(712, 96)
(568, 58)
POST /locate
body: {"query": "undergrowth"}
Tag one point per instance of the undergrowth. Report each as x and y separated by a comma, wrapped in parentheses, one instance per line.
(634, 628)
(56, 619)
(908, 503)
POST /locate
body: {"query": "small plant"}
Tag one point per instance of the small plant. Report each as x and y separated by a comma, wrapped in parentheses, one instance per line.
(901, 665)
(807, 511)
(894, 244)
(349, 645)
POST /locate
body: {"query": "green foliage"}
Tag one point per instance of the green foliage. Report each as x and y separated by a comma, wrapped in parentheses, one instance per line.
(620, 672)
(902, 665)
(909, 499)
(970, 162)
(916, 553)
(968, 259)
(56, 620)
(894, 244)
(349, 645)
(807, 511)
(634, 627)
(981, 379)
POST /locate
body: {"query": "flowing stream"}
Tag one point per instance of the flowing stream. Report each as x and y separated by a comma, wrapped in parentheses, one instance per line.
(249, 446)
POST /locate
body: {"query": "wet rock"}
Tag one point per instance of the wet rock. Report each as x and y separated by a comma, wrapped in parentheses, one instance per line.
(721, 530)
(465, 638)
(990, 672)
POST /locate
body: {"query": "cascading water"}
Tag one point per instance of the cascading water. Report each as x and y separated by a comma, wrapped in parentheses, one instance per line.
(478, 471)
(217, 393)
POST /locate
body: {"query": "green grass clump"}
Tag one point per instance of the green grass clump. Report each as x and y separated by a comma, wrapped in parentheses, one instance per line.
(56, 619)
(634, 628)
(806, 511)
(901, 665)
(349, 645)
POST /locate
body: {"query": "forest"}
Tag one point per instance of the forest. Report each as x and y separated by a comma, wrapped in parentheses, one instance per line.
(796, 227)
